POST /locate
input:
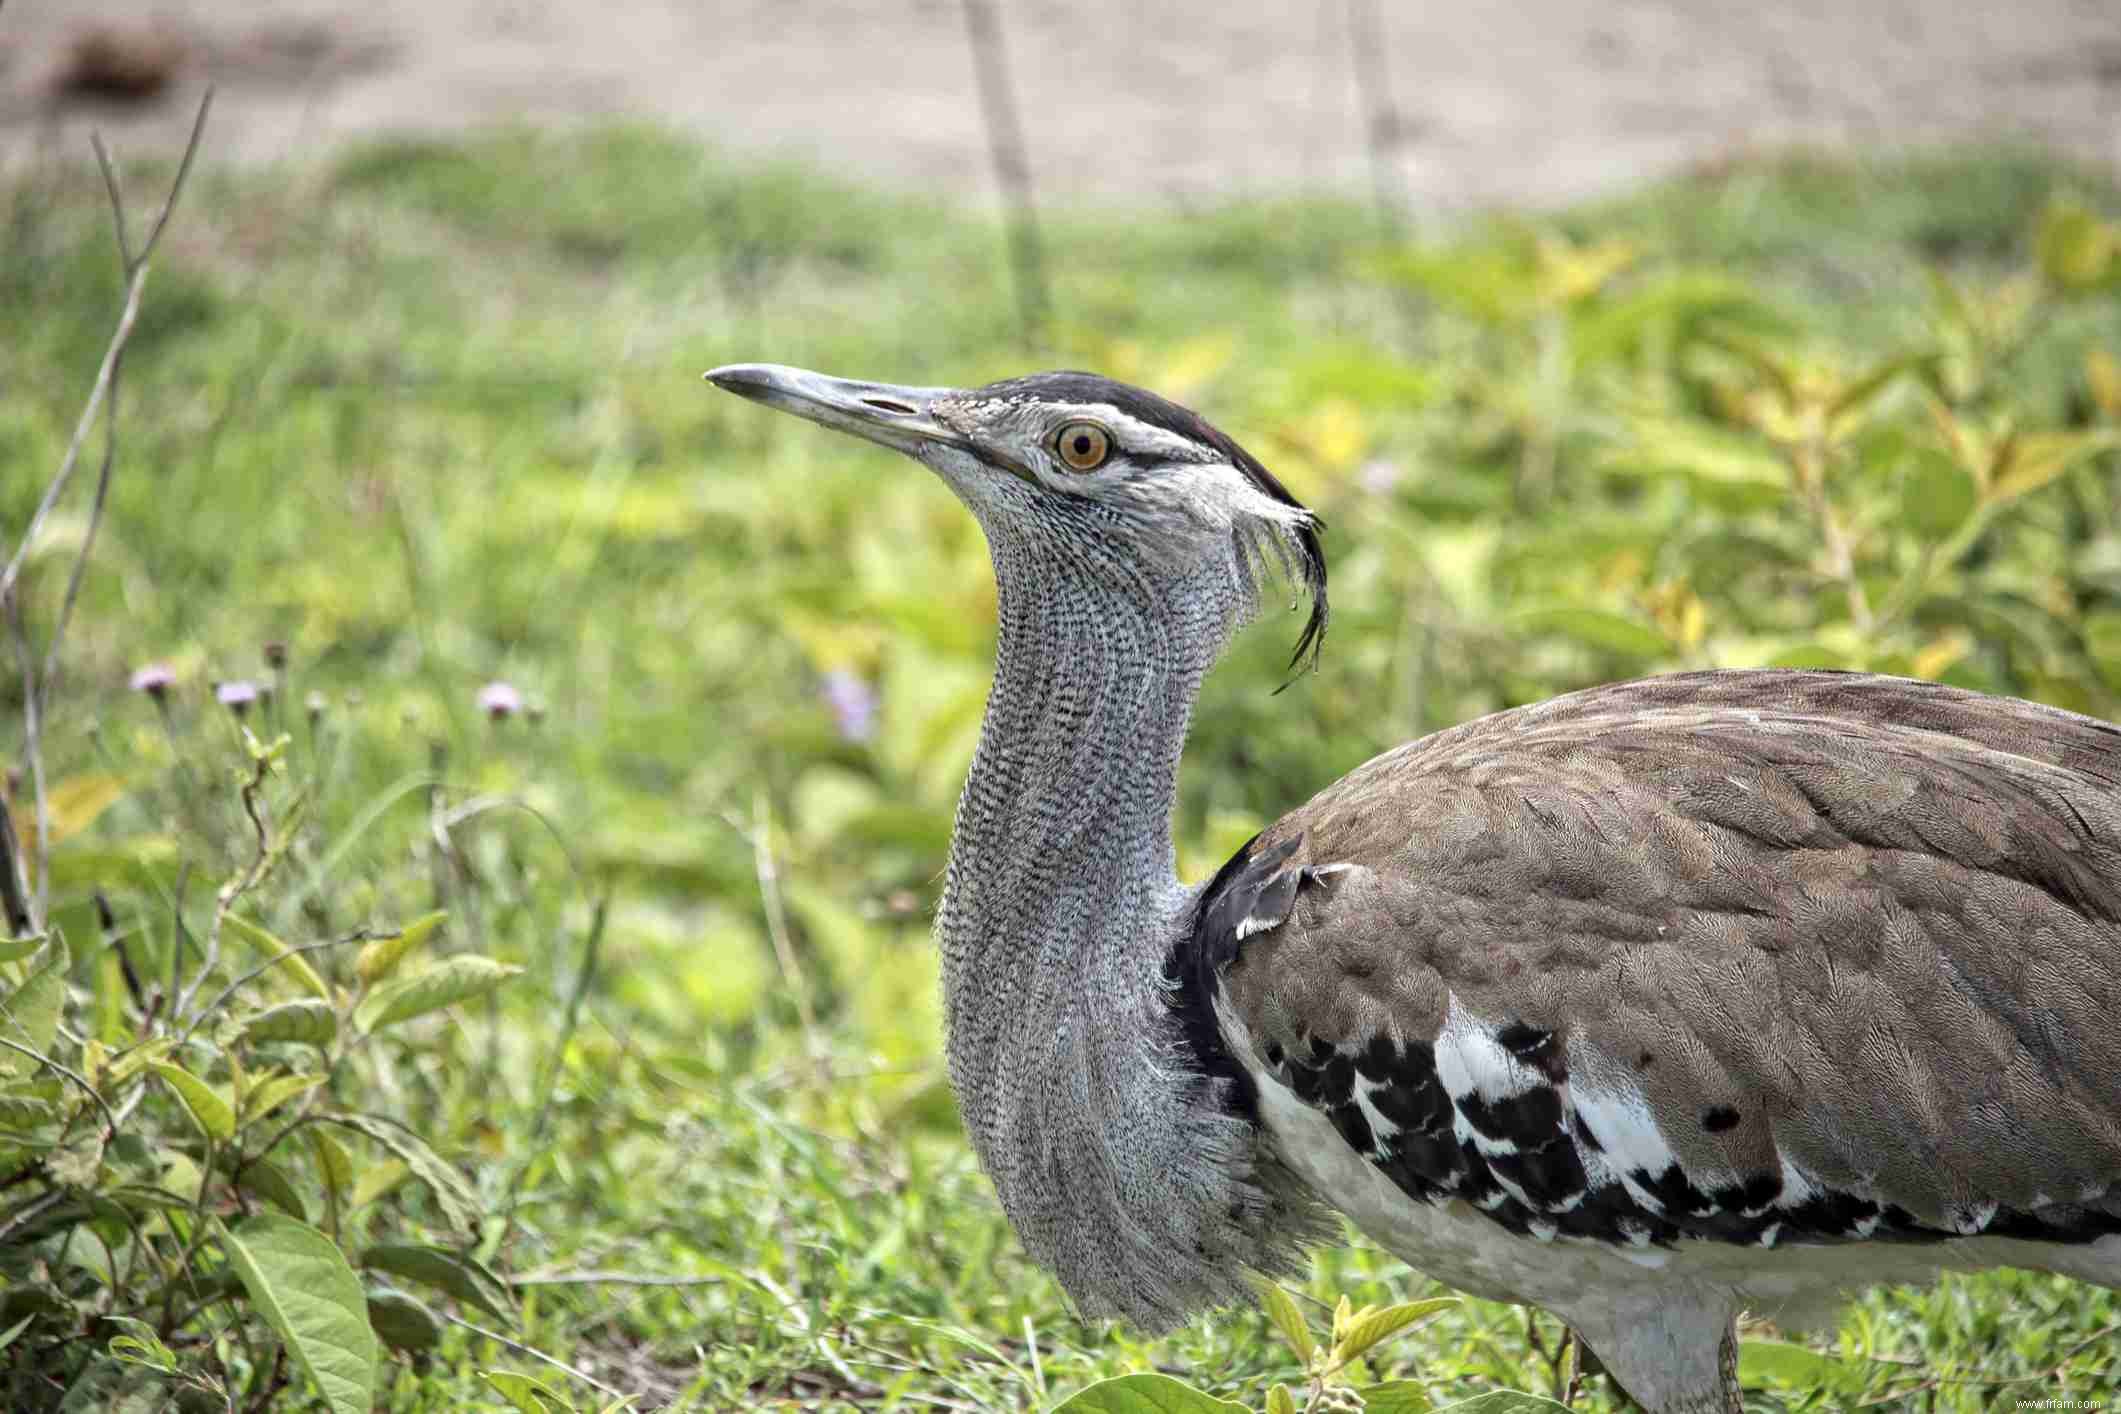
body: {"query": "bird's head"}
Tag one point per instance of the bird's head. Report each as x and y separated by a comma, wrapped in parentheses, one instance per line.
(1093, 477)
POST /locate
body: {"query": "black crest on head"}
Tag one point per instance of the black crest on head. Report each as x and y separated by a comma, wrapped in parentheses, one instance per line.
(1071, 386)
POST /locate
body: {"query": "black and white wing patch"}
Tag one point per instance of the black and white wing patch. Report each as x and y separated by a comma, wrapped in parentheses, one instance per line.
(1540, 1131)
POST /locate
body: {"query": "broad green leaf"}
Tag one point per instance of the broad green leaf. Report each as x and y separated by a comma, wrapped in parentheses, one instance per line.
(1505, 1401)
(2032, 461)
(1792, 1366)
(299, 1281)
(15, 949)
(381, 955)
(459, 1204)
(22, 1113)
(1288, 1318)
(526, 1394)
(446, 983)
(1396, 1397)
(402, 1322)
(1145, 1394)
(1280, 1401)
(334, 1164)
(377, 1180)
(270, 1182)
(1597, 628)
(30, 1015)
(438, 1267)
(305, 1020)
(125, 1066)
(207, 1106)
(1377, 1326)
(290, 961)
(271, 1093)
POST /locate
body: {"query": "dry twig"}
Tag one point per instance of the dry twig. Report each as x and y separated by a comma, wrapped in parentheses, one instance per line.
(103, 398)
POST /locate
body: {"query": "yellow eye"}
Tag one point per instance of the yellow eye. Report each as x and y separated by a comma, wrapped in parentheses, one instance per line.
(1083, 445)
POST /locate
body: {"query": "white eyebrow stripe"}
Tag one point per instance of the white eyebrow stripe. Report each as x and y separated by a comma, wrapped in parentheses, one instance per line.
(1138, 438)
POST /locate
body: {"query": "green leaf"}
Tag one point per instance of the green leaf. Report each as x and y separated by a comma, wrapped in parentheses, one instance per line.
(270, 1182)
(30, 1015)
(1379, 1326)
(305, 1020)
(295, 964)
(377, 1180)
(1288, 1318)
(15, 949)
(402, 1322)
(1280, 1401)
(334, 1164)
(2035, 460)
(446, 983)
(459, 1204)
(381, 955)
(208, 1107)
(268, 1095)
(444, 1270)
(526, 1394)
(2076, 249)
(1597, 628)
(1868, 385)
(7, 1337)
(1145, 1394)
(1396, 1397)
(1791, 1366)
(1505, 1401)
(299, 1281)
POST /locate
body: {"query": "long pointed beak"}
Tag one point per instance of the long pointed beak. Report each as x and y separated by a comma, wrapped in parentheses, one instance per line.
(887, 413)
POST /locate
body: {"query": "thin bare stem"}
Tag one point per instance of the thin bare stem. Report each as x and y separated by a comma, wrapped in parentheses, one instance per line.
(97, 393)
(1012, 168)
(610, 1279)
(769, 877)
(32, 752)
(103, 398)
(534, 1353)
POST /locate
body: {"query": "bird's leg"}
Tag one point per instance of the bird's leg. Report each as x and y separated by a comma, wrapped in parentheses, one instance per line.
(1672, 1352)
(1727, 1366)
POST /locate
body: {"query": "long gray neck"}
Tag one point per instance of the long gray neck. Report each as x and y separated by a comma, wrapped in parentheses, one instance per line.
(1119, 1165)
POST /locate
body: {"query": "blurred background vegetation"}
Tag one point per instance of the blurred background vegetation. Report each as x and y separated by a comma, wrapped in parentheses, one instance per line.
(424, 419)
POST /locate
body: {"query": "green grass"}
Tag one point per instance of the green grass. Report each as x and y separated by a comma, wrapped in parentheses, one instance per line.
(430, 415)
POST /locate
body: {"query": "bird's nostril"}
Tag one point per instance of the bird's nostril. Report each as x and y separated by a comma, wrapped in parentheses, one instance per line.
(889, 405)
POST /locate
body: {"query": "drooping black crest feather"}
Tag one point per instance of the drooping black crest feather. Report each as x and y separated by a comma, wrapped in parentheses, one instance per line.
(1073, 386)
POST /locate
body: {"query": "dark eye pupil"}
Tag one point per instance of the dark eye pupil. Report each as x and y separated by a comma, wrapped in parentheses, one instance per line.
(1082, 445)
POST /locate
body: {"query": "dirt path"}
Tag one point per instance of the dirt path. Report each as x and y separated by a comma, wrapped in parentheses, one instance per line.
(1541, 100)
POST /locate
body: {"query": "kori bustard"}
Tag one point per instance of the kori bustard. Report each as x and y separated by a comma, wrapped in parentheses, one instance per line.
(1648, 1005)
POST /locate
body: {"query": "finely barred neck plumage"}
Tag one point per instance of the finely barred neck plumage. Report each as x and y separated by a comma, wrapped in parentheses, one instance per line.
(1650, 1004)
(1122, 1168)
(1126, 1169)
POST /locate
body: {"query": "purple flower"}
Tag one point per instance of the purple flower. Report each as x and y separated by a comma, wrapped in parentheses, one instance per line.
(853, 704)
(236, 696)
(154, 680)
(500, 700)
(276, 655)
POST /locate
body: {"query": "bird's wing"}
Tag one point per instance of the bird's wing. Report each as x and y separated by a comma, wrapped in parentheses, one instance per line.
(1756, 956)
